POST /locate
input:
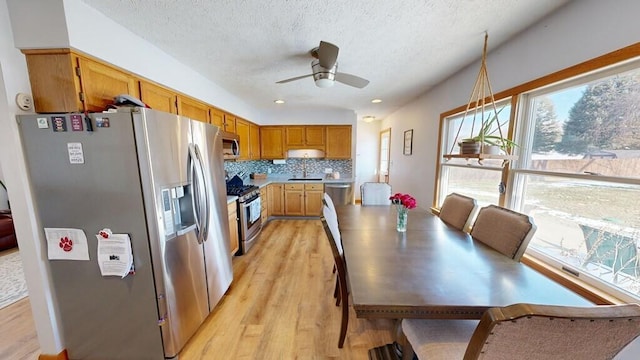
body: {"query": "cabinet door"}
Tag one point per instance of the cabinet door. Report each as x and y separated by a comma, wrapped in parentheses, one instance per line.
(234, 237)
(193, 109)
(242, 129)
(293, 202)
(229, 123)
(217, 117)
(272, 142)
(314, 136)
(101, 83)
(338, 144)
(313, 194)
(54, 83)
(158, 98)
(276, 199)
(294, 136)
(264, 204)
(254, 141)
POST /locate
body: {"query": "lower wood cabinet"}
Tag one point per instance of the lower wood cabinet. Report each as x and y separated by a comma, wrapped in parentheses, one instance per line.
(303, 199)
(234, 243)
(276, 199)
(264, 204)
(313, 199)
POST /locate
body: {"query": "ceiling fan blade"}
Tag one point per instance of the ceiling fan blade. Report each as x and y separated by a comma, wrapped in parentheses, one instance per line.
(351, 80)
(327, 54)
(293, 79)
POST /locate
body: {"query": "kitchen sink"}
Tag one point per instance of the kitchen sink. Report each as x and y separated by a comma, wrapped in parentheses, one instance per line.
(305, 179)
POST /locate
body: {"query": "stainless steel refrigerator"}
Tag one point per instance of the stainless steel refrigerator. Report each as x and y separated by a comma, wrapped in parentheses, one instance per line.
(157, 177)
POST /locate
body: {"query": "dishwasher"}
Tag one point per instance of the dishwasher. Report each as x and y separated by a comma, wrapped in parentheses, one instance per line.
(340, 193)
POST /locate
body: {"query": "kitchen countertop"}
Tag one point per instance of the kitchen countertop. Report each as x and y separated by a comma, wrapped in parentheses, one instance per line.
(283, 178)
(231, 198)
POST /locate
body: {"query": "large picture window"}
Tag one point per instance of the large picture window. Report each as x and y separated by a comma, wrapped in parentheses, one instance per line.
(577, 174)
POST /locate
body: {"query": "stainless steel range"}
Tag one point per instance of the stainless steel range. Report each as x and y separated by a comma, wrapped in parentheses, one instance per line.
(249, 208)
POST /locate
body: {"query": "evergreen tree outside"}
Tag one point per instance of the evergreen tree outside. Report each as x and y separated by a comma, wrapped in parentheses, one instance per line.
(606, 117)
(547, 131)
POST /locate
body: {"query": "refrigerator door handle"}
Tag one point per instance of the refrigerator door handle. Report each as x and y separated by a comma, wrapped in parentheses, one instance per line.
(196, 192)
(207, 206)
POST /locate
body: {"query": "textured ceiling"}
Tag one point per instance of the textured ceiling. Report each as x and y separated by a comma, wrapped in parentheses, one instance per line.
(404, 47)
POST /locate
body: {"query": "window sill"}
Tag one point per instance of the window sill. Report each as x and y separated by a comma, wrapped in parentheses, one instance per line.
(572, 283)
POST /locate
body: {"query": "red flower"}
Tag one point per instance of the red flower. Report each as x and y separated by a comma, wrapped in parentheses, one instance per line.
(405, 200)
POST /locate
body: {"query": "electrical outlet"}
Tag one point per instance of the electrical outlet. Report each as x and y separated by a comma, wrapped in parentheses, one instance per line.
(328, 170)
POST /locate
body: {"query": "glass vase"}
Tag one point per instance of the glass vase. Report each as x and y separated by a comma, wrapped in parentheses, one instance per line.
(402, 217)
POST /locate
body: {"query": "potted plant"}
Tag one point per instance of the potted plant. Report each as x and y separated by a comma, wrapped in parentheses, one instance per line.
(488, 139)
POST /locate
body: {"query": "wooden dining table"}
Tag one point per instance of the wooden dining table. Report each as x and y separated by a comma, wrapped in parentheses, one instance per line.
(432, 270)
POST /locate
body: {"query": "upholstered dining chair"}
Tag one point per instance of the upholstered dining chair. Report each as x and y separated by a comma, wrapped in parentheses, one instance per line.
(458, 211)
(326, 199)
(375, 193)
(330, 224)
(504, 230)
(526, 331)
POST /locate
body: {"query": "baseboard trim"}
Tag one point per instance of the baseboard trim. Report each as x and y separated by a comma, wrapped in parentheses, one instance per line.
(61, 356)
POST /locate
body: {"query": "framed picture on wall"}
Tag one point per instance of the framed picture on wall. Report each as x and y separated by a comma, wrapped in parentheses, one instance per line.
(408, 142)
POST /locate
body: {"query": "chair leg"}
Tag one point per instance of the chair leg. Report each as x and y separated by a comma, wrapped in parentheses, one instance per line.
(336, 292)
(345, 314)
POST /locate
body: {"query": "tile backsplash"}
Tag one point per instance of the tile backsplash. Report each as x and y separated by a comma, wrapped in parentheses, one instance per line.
(291, 167)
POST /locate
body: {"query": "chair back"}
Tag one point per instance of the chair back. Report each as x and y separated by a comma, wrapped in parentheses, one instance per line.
(375, 193)
(504, 230)
(326, 199)
(330, 224)
(458, 211)
(546, 332)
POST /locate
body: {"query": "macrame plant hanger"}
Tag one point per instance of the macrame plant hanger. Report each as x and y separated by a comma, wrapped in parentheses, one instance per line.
(478, 100)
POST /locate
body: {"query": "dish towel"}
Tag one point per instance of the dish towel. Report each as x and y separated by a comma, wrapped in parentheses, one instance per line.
(254, 210)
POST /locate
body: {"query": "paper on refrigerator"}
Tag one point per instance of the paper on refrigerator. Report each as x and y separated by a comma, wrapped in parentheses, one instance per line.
(115, 257)
(66, 244)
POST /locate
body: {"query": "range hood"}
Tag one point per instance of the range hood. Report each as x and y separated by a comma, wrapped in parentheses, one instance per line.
(305, 154)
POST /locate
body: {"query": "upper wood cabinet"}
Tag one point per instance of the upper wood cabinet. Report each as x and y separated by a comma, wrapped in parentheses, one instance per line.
(254, 141)
(242, 129)
(158, 97)
(249, 134)
(55, 84)
(305, 137)
(101, 83)
(229, 123)
(272, 142)
(62, 81)
(338, 144)
(193, 109)
(217, 117)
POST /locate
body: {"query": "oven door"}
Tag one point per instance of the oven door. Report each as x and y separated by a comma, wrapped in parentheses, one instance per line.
(250, 223)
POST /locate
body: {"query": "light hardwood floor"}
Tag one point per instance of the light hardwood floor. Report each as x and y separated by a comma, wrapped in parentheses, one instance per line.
(280, 306)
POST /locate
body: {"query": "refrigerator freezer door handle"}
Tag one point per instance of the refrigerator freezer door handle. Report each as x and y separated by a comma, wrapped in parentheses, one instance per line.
(207, 205)
(196, 193)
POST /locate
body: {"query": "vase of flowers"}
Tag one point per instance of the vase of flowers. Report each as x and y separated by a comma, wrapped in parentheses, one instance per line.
(403, 203)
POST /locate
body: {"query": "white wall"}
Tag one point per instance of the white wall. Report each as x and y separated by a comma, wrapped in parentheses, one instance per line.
(577, 32)
(14, 79)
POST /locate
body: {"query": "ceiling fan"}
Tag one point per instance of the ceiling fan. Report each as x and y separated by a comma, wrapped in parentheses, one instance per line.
(325, 69)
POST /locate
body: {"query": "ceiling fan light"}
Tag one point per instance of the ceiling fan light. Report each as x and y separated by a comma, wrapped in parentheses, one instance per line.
(324, 83)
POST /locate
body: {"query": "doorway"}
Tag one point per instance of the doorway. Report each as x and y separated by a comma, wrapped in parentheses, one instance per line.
(385, 154)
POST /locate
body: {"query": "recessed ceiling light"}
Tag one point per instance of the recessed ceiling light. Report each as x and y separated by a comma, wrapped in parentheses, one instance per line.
(376, 101)
(368, 118)
(279, 101)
